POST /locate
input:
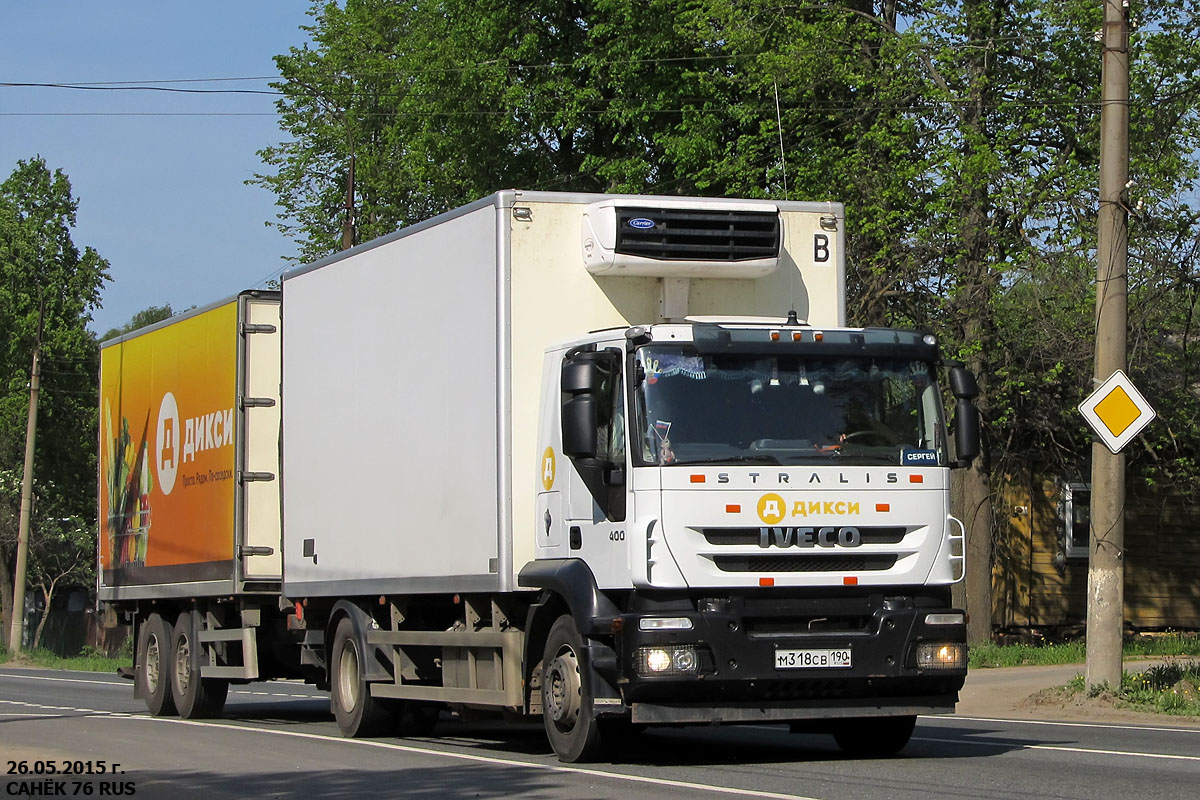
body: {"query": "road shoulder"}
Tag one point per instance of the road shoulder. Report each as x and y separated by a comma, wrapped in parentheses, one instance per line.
(1028, 693)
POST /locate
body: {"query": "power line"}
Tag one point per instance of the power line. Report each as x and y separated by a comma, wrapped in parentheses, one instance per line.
(137, 88)
(632, 108)
(138, 114)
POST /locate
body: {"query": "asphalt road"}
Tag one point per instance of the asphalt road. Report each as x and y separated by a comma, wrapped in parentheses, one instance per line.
(279, 740)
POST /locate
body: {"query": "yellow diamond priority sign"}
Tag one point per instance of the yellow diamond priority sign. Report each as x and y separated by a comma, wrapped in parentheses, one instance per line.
(1117, 411)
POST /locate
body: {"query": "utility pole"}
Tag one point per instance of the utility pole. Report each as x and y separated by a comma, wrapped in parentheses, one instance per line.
(17, 625)
(1106, 566)
(348, 219)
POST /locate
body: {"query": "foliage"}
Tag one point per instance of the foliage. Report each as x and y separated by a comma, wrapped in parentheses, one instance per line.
(88, 661)
(1169, 688)
(1023, 655)
(45, 277)
(962, 135)
(1165, 688)
(147, 316)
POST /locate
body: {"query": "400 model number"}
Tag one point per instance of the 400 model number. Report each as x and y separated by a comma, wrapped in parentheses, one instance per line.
(812, 659)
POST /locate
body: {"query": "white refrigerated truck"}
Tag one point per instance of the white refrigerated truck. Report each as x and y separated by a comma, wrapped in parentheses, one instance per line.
(611, 460)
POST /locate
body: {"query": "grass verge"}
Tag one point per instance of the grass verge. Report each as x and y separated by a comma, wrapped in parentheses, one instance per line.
(86, 662)
(1162, 689)
(1023, 655)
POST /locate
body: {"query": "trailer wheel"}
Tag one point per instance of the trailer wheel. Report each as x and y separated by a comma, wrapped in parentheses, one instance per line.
(874, 737)
(195, 697)
(154, 666)
(358, 713)
(567, 715)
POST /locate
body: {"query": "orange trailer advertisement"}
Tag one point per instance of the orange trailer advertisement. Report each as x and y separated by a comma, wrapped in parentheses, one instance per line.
(168, 453)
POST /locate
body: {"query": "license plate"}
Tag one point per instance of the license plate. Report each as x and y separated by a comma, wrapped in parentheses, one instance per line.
(812, 659)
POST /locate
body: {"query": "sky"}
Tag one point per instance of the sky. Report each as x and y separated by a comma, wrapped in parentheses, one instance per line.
(159, 176)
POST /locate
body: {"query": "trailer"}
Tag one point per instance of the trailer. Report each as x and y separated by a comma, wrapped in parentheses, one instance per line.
(613, 461)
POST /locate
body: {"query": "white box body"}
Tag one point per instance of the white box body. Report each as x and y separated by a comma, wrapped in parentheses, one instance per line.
(411, 380)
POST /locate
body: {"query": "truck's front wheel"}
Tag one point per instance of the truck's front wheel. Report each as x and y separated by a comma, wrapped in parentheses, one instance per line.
(567, 715)
(154, 666)
(358, 714)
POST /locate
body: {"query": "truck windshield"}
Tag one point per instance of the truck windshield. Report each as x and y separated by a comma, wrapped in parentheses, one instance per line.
(741, 408)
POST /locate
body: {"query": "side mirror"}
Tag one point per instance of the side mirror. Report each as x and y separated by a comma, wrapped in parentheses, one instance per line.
(579, 426)
(583, 376)
(966, 431)
(962, 384)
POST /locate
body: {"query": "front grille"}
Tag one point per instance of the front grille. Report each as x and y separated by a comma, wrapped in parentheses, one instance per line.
(684, 234)
(742, 537)
(874, 562)
(784, 627)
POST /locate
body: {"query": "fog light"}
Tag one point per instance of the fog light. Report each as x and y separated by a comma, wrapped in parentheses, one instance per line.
(658, 660)
(684, 660)
(671, 660)
(941, 655)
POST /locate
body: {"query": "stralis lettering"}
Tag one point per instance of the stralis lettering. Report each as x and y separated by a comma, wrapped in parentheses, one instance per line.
(809, 537)
(847, 479)
(207, 432)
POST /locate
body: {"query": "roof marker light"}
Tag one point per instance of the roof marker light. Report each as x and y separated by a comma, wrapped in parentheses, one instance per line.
(883, 507)
(698, 479)
(916, 478)
(733, 508)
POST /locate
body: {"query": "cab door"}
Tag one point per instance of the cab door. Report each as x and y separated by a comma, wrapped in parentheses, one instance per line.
(595, 446)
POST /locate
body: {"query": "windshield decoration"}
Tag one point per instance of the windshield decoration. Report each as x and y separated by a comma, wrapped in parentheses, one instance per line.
(788, 408)
(669, 365)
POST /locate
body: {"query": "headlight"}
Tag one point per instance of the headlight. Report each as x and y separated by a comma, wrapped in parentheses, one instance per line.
(667, 660)
(941, 655)
(945, 619)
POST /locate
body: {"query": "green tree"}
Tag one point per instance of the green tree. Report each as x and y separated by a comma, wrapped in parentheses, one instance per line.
(147, 316)
(44, 276)
(444, 102)
(961, 134)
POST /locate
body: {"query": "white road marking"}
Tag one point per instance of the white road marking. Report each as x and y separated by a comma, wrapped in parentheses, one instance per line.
(595, 773)
(45, 707)
(63, 680)
(1053, 747)
(1108, 725)
(504, 762)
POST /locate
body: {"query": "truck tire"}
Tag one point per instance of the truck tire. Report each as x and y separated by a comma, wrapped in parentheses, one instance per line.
(358, 714)
(154, 666)
(567, 715)
(195, 697)
(874, 737)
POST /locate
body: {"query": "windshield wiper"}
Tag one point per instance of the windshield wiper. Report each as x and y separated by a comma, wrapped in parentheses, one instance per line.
(734, 459)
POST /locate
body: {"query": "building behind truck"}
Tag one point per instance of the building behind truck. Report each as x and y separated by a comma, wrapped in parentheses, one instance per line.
(613, 461)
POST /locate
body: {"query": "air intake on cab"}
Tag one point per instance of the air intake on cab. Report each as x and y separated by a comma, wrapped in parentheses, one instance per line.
(684, 239)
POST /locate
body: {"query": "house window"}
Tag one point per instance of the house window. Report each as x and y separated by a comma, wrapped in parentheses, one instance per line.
(1076, 519)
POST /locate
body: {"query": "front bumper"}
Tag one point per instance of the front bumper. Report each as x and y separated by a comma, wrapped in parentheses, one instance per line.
(736, 639)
